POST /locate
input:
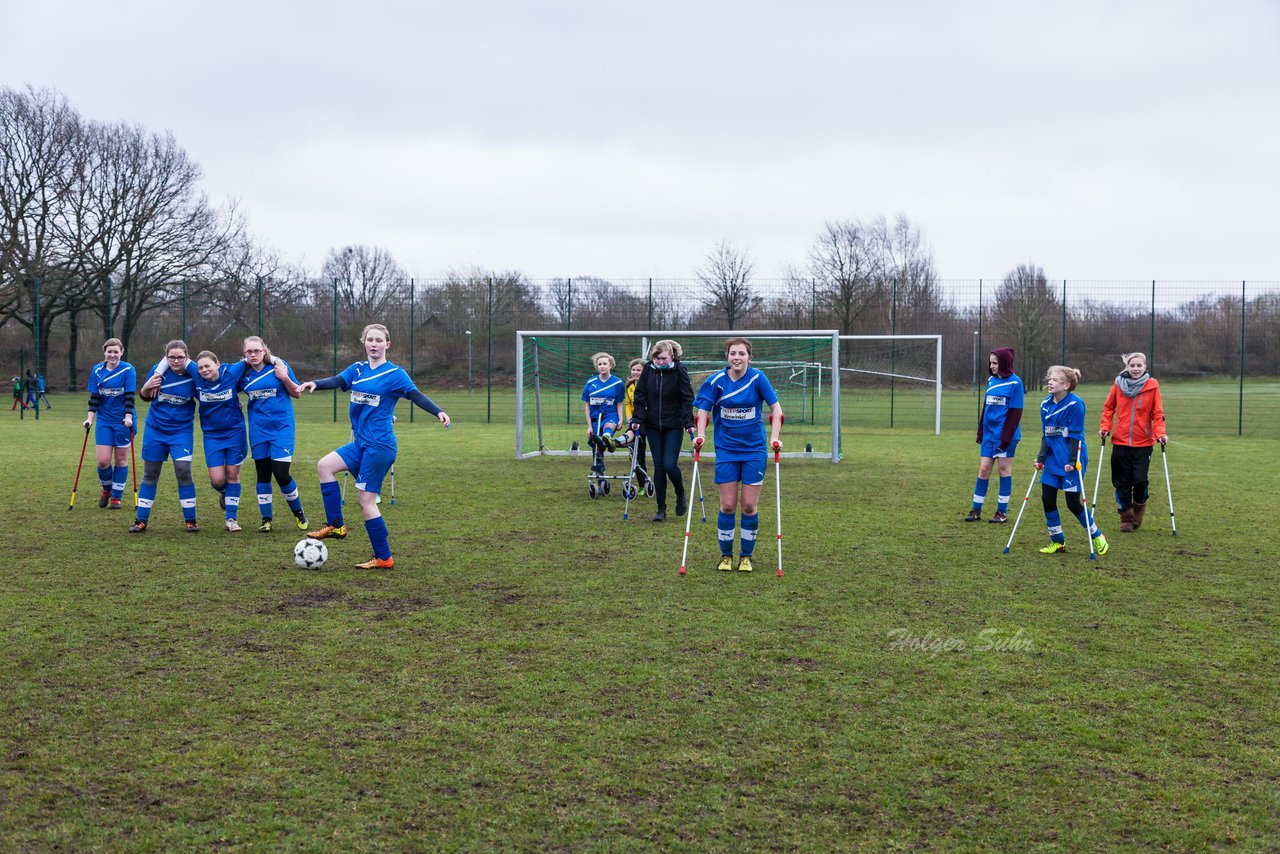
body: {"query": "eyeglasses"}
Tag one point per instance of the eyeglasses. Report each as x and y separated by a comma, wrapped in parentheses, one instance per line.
(252, 352)
(176, 358)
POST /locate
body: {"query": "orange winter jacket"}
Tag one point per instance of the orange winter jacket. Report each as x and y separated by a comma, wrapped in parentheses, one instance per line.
(1138, 420)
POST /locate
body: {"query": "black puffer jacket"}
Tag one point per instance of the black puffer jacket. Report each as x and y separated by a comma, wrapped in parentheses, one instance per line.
(663, 399)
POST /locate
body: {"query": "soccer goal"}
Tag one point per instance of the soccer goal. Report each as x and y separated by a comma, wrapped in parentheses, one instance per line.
(891, 381)
(553, 366)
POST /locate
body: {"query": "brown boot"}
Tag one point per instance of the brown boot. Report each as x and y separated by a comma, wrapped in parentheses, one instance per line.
(1126, 520)
(1139, 510)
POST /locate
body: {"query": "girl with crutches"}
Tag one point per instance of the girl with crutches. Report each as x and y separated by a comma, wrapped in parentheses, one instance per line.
(733, 399)
(1063, 458)
(112, 385)
(1133, 417)
(376, 385)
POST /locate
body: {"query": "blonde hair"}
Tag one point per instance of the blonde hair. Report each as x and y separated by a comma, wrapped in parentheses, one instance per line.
(597, 356)
(1129, 356)
(375, 327)
(669, 346)
(1071, 375)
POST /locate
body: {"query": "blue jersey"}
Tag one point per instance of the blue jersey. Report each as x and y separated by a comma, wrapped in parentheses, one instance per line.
(374, 393)
(110, 387)
(220, 414)
(603, 396)
(270, 407)
(737, 413)
(1002, 395)
(1062, 421)
(172, 414)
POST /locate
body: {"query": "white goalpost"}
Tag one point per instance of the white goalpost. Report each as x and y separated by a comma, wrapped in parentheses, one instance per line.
(902, 374)
(552, 366)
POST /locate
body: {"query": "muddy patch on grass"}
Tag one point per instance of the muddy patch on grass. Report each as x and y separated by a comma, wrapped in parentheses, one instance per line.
(316, 598)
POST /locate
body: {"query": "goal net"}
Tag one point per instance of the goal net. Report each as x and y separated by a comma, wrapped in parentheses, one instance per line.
(891, 381)
(552, 368)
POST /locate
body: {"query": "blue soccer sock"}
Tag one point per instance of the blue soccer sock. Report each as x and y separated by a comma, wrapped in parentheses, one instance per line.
(291, 496)
(1054, 521)
(725, 525)
(104, 478)
(331, 496)
(119, 478)
(1090, 525)
(232, 491)
(376, 528)
(750, 526)
(146, 497)
(264, 499)
(1006, 491)
(187, 498)
(980, 488)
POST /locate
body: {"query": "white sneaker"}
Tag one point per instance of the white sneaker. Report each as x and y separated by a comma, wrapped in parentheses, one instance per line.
(233, 526)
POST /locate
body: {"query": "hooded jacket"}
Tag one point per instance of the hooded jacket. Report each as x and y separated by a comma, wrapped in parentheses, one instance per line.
(663, 399)
(1013, 417)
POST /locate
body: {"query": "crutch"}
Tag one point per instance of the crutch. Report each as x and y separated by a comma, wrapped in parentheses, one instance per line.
(1101, 453)
(393, 485)
(1034, 474)
(701, 501)
(777, 484)
(1169, 487)
(1088, 522)
(688, 519)
(75, 486)
(629, 489)
(133, 467)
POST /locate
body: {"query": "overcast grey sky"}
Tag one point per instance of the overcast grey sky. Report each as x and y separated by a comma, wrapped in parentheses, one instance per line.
(1100, 140)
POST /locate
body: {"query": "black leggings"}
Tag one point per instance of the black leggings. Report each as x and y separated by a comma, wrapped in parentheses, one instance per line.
(1049, 497)
(1130, 471)
(665, 447)
(268, 467)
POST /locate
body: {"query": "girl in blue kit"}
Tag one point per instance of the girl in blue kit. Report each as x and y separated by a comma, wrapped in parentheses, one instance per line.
(112, 384)
(733, 399)
(603, 397)
(271, 429)
(169, 432)
(998, 433)
(375, 385)
(1061, 450)
(222, 426)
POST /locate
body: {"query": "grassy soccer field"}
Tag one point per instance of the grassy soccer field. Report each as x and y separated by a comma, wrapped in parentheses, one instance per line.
(534, 674)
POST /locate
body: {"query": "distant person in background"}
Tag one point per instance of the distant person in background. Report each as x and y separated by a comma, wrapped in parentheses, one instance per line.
(112, 385)
(40, 391)
(17, 394)
(1133, 417)
(30, 385)
(1062, 417)
(998, 433)
(663, 414)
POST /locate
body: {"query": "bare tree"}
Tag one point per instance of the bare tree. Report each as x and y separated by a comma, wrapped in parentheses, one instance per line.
(847, 272)
(1027, 316)
(366, 278)
(726, 282)
(907, 267)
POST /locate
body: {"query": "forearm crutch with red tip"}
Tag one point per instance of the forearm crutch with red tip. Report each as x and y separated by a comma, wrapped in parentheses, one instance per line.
(76, 486)
(1088, 520)
(1034, 474)
(1168, 486)
(688, 519)
(777, 485)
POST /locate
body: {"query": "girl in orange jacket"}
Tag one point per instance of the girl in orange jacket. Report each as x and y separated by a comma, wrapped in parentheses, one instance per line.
(1134, 418)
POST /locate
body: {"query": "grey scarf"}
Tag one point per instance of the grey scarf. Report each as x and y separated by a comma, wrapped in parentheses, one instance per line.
(1130, 387)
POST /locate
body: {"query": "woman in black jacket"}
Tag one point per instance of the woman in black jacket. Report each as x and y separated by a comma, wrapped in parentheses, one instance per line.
(664, 411)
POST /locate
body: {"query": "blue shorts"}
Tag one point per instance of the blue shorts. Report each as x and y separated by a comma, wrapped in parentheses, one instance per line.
(991, 448)
(749, 473)
(369, 465)
(115, 435)
(272, 451)
(1062, 480)
(225, 450)
(157, 450)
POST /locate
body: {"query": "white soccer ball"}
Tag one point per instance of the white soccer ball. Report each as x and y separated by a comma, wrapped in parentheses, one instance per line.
(310, 554)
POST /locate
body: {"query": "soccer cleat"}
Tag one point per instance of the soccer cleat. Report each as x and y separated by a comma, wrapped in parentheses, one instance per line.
(1100, 544)
(265, 527)
(610, 444)
(190, 525)
(974, 516)
(137, 527)
(104, 498)
(1054, 549)
(114, 505)
(378, 563)
(300, 519)
(998, 519)
(338, 532)
(744, 564)
(233, 526)
(725, 564)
